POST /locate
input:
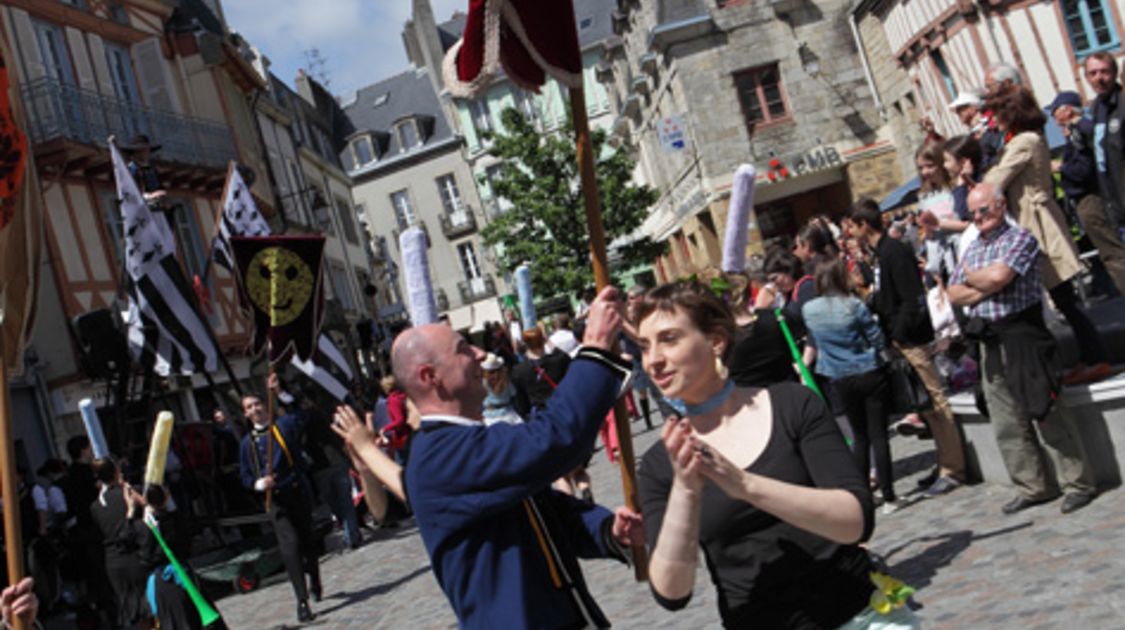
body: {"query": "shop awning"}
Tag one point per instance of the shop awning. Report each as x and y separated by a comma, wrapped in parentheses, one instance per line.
(901, 196)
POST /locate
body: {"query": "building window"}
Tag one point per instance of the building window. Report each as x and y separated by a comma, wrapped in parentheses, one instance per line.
(407, 132)
(525, 103)
(763, 99)
(339, 279)
(482, 121)
(404, 214)
(362, 151)
(450, 197)
(1089, 27)
(187, 231)
(469, 264)
(943, 70)
(121, 72)
(347, 219)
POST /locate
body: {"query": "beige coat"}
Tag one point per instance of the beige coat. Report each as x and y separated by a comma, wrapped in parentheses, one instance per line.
(1024, 174)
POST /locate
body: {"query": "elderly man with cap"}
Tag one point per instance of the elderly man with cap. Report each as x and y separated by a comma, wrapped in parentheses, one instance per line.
(967, 107)
(503, 545)
(1079, 178)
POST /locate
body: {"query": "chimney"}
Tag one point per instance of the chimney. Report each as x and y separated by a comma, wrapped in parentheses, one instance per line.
(424, 42)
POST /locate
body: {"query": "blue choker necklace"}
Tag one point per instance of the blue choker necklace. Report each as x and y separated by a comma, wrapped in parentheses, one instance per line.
(705, 407)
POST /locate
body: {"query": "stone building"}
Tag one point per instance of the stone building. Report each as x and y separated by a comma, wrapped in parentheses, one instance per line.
(701, 87)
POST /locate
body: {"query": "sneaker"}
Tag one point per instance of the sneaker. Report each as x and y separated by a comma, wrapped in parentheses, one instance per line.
(890, 507)
(911, 425)
(944, 485)
(929, 479)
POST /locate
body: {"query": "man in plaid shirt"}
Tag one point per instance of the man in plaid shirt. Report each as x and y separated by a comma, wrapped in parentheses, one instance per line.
(999, 280)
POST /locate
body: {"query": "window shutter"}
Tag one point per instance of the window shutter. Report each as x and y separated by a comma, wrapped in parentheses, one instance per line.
(81, 57)
(29, 48)
(155, 84)
(101, 66)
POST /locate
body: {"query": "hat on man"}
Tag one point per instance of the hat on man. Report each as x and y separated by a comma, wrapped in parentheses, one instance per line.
(139, 141)
(491, 363)
(1064, 98)
(964, 99)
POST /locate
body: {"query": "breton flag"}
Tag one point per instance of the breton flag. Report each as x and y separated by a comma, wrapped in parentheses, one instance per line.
(240, 217)
(165, 331)
(329, 369)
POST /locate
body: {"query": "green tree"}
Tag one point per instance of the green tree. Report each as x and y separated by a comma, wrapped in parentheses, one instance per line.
(546, 224)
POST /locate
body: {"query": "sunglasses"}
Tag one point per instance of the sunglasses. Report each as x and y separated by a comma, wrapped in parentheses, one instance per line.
(982, 209)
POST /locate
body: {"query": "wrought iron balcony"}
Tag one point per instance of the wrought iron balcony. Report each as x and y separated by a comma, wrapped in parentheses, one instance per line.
(459, 222)
(476, 289)
(57, 111)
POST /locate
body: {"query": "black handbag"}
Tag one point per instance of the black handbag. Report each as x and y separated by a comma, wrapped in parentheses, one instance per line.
(908, 393)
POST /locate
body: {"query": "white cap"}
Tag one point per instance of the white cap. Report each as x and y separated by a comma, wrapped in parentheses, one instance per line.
(491, 362)
(966, 98)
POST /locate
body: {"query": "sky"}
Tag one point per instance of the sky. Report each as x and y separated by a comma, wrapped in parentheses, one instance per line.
(359, 40)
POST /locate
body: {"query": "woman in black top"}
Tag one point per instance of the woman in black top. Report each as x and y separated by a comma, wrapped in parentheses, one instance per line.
(761, 479)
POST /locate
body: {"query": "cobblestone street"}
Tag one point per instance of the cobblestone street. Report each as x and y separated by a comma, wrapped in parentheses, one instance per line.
(973, 566)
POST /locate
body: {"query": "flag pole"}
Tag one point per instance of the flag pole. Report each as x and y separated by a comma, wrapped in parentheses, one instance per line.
(12, 542)
(269, 435)
(585, 152)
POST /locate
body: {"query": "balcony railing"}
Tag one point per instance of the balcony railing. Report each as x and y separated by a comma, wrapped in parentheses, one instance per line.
(459, 222)
(59, 111)
(476, 289)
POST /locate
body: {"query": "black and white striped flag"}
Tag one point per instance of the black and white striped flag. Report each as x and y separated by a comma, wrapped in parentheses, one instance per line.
(328, 369)
(240, 217)
(165, 330)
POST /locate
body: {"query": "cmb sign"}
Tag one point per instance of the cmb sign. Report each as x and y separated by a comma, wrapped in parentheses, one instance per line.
(804, 163)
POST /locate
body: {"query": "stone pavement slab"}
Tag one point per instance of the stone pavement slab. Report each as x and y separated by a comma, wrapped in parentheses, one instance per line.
(973, 566)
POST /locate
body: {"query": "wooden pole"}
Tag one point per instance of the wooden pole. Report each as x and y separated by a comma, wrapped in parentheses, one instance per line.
(269, 436)
(600, 257)
(12, 540)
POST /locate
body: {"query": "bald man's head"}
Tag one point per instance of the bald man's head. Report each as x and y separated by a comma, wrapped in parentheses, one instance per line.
(987, 206)
(439, 370)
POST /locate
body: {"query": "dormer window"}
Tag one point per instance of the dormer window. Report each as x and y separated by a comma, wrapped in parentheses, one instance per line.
(408, 136)
(363, 152)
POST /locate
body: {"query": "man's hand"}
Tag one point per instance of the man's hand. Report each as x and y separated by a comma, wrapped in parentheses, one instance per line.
(603, 322)
(353, 431)
(628, 527)
(19, 600)
(265, 483)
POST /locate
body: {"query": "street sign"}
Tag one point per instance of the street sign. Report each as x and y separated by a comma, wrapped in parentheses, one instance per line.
(672, 134)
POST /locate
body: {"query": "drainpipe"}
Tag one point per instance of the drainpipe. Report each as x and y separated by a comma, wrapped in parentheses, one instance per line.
(866, 67)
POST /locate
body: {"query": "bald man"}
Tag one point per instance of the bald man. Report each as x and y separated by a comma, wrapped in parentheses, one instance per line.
(502, 544)
(998, 279)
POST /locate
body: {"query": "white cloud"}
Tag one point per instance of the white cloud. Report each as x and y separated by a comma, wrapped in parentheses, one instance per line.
(360, 40)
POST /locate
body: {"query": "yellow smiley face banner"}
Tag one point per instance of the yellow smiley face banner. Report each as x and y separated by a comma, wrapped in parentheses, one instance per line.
(280, 279)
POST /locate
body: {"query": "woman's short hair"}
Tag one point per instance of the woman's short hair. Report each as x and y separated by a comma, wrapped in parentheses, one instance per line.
(966, 147)
(705, 310)
(1017, 108)
(784, 262)
(831, 278)
(533, 339)
(105, 470)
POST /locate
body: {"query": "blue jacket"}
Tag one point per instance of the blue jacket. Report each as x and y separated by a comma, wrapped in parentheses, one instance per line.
(291, 426)
(848, 339)
(502, 545)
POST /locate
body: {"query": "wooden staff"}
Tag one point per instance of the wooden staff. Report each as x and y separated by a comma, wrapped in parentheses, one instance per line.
(585, 154)
(12, 540)
(269, 436)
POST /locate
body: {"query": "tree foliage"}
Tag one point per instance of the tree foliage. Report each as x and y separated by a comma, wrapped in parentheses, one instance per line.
(546, 223)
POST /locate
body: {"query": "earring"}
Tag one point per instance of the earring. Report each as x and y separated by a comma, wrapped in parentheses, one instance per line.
(720, 367)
